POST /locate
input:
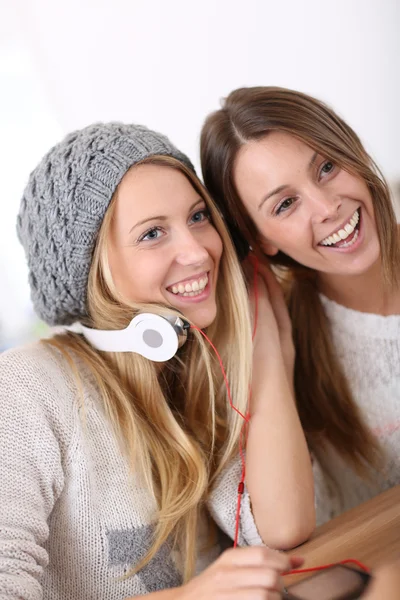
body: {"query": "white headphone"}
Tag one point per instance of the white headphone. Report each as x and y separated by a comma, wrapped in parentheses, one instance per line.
(154, 337)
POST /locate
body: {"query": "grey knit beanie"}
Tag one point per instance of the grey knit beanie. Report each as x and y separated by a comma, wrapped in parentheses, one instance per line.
(64, 205)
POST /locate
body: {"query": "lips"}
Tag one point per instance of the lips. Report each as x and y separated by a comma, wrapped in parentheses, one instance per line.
(190, 287)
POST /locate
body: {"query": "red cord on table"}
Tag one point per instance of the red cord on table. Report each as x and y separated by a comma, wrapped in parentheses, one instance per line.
(321, 568)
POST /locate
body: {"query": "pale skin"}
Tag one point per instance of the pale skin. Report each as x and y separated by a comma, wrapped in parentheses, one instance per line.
(385, 584)
(297, 198)
(168, 241)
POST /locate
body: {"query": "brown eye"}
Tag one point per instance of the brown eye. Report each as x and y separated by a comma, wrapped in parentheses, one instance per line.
(284, 205)
(327, 167)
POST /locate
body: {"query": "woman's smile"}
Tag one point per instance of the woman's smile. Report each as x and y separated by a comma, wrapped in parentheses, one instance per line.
(171, 251)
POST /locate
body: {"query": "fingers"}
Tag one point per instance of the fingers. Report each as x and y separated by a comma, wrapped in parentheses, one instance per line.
(247, 578)
(274, 288)
(254, 594)
(251, 573)
(257, 556)
(276, 296)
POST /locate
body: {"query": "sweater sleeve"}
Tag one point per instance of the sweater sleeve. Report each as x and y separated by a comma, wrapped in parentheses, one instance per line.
(31, 474)
(223, 506)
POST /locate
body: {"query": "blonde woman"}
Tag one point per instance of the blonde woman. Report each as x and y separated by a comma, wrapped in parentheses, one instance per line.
(111, 460)
(295, 182)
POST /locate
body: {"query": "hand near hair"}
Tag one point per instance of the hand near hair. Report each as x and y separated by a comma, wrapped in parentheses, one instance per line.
(273, 337)
(281, 314)
(242, 573)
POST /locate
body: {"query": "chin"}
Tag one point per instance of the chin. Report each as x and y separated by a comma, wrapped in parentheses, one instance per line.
(204, 318)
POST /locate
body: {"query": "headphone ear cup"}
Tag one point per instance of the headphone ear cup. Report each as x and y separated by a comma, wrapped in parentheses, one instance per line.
(154, 337)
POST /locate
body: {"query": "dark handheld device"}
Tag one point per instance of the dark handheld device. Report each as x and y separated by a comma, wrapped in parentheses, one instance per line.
(334, 583)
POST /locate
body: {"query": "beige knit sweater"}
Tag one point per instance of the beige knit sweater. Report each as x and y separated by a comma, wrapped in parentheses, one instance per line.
(72, 522)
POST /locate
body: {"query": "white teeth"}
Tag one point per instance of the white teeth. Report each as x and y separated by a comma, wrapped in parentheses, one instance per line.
(344, 233)
(190, 289)
(347, 244)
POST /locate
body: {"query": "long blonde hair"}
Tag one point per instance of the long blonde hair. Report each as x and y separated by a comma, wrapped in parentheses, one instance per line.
(326, 407)
(175, 423)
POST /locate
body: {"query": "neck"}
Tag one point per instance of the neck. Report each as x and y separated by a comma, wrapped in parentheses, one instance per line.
(366, 292)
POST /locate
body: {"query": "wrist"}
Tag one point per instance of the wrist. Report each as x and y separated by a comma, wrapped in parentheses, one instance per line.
(272, 390)
(269, 365)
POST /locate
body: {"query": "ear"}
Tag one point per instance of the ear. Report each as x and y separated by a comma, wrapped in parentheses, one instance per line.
(267, 247)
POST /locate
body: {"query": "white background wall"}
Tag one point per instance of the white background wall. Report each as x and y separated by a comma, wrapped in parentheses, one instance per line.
(64, 64)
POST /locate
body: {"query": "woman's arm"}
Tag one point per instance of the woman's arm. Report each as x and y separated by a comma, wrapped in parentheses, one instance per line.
(279, 474)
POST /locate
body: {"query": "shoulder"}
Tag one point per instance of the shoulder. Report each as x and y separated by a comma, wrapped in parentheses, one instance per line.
(38, 377)
(32, 365)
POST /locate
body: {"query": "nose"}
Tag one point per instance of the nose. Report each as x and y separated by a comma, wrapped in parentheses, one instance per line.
(191, 250)
(325, 206)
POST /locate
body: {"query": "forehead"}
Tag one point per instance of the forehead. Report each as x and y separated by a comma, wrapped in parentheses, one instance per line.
(154, 189)
(274, 149)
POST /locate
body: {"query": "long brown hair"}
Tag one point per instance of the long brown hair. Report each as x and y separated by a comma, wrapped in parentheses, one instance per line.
(326, 407)
(174, 424)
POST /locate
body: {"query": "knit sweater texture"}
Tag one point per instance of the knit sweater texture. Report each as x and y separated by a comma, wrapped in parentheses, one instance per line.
(368, 349)
(73, 520)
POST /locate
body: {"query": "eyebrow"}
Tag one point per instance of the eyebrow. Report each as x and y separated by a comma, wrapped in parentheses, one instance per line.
(163, 217)
(284, 186)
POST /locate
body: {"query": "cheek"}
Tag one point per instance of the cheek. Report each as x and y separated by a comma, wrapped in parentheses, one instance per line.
(369, 204)
(272, 230)
(136, 275)
(215, 246)
(147, 273)
(265, 228)
(292, 235)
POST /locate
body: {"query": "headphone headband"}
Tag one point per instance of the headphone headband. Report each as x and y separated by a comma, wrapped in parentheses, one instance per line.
(153, 336)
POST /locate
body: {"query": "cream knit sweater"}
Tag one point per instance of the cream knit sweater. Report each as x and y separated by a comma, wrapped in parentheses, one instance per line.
(368, 348)
(72, 522)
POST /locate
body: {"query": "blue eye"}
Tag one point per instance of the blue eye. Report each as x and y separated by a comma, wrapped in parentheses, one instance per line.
(200, 215)
(150, 235)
